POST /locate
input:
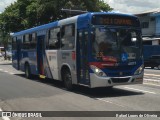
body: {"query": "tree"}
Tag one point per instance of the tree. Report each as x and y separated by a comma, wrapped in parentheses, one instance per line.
(4, 39)
(25, 14)
(50, 10)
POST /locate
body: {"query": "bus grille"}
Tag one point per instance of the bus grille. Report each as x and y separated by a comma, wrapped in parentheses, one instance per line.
(115, 71)
(120, 80)
(117, 74)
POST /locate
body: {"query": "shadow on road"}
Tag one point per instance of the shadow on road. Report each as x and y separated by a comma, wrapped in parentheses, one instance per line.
(90, 92)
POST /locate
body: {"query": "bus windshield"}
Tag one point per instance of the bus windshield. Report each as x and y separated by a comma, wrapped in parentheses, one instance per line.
(116, 44)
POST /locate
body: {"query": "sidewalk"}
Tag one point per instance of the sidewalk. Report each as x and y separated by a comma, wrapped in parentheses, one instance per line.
(4, 61)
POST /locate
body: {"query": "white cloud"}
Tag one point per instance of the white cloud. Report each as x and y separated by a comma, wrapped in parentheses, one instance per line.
(4, 4)
(133, 6)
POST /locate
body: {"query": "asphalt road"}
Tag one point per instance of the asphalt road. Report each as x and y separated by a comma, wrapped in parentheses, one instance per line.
(20, 94)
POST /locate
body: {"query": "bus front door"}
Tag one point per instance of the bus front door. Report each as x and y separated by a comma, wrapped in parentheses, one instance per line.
(82, 57)
(40, 54)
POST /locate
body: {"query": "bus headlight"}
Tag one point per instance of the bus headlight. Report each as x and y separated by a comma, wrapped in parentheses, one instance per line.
(139, 70)
(98, 71)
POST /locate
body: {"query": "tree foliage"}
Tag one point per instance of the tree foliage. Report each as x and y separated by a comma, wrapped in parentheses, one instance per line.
(24, 14)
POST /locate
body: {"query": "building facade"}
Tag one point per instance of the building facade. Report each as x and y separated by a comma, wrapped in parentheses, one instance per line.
(150, 23)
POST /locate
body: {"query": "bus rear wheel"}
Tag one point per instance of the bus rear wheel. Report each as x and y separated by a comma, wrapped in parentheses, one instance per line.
(67, 79)
(27, 71)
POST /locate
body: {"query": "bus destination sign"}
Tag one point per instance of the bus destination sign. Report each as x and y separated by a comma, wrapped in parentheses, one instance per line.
(114, 20)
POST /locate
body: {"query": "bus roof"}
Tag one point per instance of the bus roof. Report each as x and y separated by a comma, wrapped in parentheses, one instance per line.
(82, 17)
(38, 28)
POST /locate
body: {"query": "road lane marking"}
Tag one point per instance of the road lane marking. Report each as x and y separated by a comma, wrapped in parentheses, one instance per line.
(11, 73)
(152, 75)
(151, 80)
(109, 102)
(3, 117)
(6, 71)
(140, 90)
(151, 84)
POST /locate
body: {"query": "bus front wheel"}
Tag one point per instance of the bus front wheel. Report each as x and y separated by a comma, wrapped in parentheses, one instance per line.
(67, 79)
(27, 71)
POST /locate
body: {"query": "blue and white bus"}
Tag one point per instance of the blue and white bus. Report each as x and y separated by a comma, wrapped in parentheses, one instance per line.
(99, 49)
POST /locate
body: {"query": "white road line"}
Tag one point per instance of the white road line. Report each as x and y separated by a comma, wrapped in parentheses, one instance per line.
(140, 90)
(11, 73)
(151, 84)
(151, 80)
(152, 75)
(7, 71)
(109, 102)
(4, 118)
(149, 77)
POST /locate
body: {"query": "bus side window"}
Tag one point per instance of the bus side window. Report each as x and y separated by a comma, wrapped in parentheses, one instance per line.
(54, 38)
(33, 41)
(14, 43)
(26, 42)
(68, 37)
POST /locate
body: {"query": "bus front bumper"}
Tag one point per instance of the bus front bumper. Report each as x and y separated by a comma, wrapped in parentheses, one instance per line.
(96, 81)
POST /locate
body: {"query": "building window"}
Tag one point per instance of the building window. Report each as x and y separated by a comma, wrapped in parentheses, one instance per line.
(145, 25)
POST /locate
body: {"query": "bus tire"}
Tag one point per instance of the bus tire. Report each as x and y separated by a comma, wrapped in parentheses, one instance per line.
(27, 71)
(67, 79)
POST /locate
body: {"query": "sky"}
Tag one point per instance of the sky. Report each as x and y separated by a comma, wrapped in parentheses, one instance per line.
(4, 4)
(125, 6)
(133, 6)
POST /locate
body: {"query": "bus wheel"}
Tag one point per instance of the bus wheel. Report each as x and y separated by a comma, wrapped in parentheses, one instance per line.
(27, 71)
(67, 79)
